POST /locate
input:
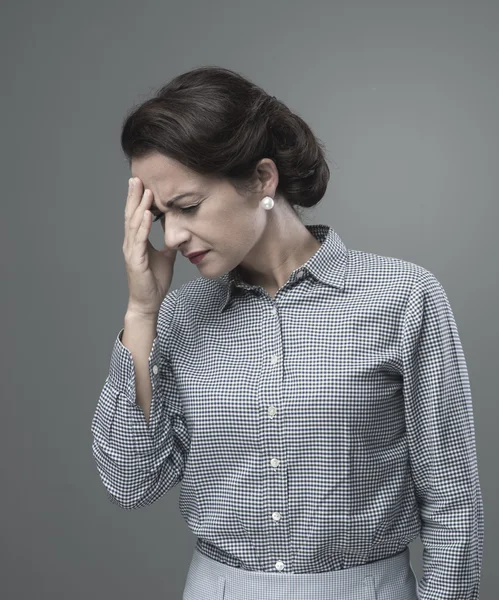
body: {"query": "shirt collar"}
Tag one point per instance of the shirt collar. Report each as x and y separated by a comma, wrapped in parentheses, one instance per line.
(327, 265)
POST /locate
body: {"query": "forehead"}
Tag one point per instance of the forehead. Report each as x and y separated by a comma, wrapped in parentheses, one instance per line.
(157, 170)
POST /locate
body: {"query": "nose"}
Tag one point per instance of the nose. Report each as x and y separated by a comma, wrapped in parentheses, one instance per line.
(175, 236)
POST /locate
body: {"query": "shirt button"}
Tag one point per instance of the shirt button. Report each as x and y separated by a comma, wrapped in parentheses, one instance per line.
(276, 516)
(274, 311)
(272, 410)
(275, 462)
(155, 369)
(274, 359)
(279, 565)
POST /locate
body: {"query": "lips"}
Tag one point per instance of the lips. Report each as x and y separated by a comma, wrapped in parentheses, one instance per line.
(194, 254)
(198, 257)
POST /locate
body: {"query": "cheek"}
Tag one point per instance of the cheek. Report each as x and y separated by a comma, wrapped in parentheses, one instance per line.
(241, 240)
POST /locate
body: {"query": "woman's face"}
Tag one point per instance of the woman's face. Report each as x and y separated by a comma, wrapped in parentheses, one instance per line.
(215, 217)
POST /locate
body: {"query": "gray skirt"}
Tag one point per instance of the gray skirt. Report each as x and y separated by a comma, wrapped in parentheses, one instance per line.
(387, 579)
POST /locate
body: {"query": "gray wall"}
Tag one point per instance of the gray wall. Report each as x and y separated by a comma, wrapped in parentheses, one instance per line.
(405, 96)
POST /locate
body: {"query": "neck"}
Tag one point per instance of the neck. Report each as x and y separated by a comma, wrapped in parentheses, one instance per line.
(285, 245)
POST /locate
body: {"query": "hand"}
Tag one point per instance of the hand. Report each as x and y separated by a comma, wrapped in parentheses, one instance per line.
(149, 271)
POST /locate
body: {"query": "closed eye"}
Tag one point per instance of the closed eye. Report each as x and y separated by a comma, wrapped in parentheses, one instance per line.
(187, 209)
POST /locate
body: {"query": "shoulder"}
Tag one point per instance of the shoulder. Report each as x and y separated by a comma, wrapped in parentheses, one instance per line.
(388, 275)
(200, 297)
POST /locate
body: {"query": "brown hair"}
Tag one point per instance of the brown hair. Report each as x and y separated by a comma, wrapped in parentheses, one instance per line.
(218, 123)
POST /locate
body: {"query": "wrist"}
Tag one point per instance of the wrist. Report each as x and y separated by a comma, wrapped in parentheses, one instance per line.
(136, 315)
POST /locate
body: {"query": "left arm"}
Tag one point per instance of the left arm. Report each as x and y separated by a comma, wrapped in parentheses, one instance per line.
(440, 430)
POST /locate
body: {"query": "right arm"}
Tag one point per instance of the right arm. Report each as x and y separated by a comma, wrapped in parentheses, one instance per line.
(140, 438)
(138, 337)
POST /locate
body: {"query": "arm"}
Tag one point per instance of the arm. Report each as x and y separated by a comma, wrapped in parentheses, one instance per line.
(138, 337)
(440, 430)
(139, 459)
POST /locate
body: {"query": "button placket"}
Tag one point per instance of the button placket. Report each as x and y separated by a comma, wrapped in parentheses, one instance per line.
(271, 392)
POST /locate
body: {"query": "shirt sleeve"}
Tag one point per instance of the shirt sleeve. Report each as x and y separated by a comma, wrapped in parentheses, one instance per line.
(139, 461)
(440, 430)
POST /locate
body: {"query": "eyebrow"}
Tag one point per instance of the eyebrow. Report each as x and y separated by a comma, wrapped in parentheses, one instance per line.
(171, 202)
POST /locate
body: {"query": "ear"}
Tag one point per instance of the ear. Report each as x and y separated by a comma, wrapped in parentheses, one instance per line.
(267, 176)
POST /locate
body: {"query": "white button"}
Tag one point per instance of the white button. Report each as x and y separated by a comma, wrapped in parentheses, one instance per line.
(274, 311)
(275, 462)
(276, 516)
(274, 359)
(155, 369)
(300, 274)
(272, 410)
(279, 565)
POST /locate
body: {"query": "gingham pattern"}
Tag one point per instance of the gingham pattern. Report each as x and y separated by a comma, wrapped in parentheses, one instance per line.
(316, 431)
(388, 579)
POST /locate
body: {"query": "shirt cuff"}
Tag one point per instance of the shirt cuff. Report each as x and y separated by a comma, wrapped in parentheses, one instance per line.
(122, 370)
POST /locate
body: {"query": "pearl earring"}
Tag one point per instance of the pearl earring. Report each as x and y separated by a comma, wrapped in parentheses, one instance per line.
(267, 202)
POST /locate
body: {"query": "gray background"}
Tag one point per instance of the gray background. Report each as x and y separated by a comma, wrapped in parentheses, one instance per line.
(405, 96)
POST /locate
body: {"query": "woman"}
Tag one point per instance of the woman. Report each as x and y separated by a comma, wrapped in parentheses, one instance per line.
(312, 400)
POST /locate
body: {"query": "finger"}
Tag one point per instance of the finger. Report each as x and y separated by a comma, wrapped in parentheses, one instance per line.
(133, 220)
(139, 217)
(145, 227)
(131, 202)
(136, 231)
(133, 198)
